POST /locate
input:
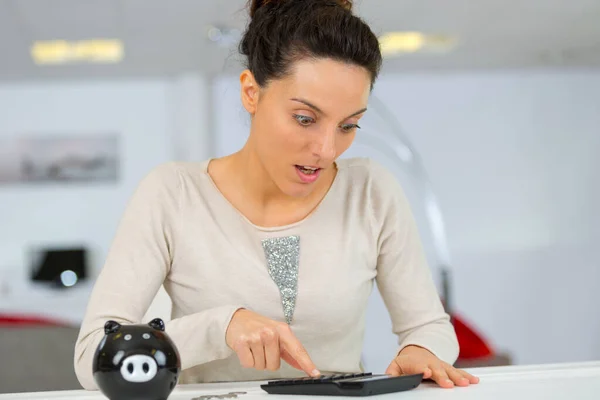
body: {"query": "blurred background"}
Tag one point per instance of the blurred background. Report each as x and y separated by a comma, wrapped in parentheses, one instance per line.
(484, 111)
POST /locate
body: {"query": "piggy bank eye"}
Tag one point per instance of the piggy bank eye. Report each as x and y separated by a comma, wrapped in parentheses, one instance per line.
(161, 358)
(118, 357)
(127, 337)
(146, 336)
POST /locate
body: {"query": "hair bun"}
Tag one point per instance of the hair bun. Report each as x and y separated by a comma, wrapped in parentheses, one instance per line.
(256, 4)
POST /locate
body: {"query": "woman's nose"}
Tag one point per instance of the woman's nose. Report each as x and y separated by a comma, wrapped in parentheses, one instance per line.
(324, 147)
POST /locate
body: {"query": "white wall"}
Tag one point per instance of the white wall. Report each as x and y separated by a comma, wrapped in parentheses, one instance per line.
(512, 157)
(58, 213)
(157, 121)
(525, 143)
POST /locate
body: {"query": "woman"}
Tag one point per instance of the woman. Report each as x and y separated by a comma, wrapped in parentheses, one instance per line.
(271, 253)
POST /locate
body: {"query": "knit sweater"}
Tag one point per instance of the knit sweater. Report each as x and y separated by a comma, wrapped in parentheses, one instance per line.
(178, 230)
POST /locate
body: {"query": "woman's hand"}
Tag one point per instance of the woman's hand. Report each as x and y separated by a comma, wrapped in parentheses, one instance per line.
(417, 360)
(261, 343)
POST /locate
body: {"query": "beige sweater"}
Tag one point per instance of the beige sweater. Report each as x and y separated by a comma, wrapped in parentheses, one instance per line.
(180, 231)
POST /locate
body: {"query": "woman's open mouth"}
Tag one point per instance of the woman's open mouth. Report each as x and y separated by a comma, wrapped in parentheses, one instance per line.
(308, 174)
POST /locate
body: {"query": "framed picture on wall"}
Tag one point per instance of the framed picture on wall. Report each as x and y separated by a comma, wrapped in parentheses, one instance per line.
(59, 158)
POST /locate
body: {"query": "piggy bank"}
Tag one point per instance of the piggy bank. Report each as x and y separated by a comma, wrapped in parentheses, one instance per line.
(136, 362)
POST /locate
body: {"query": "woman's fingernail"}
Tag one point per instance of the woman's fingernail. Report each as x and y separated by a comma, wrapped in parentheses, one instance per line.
(449, 382)
(315, 372)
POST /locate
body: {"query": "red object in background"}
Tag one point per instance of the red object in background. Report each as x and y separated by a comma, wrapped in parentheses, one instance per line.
(20, 321)
(472, 345)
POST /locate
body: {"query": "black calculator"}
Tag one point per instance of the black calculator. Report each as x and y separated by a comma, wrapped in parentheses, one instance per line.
(361, 384)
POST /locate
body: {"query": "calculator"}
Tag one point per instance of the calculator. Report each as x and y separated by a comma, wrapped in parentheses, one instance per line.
(360, 384)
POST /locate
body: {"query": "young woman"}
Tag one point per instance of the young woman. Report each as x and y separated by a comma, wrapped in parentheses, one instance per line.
(271, 253)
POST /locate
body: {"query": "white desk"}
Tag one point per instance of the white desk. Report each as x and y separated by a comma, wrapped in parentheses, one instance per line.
(579, 381)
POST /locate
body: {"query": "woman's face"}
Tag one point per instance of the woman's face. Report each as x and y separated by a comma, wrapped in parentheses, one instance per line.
(302, 123)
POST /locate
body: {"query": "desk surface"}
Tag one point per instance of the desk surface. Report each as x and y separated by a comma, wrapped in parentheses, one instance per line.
(558, 381)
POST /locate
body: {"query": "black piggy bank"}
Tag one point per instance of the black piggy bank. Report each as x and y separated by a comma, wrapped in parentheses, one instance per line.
(136, 362)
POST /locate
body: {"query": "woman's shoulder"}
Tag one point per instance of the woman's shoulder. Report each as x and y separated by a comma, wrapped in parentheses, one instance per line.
(173, 176)
(365, 173)
(373, 183)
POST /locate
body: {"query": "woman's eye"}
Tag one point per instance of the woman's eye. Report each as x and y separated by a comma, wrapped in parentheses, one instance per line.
(349, 127)
(303, 120)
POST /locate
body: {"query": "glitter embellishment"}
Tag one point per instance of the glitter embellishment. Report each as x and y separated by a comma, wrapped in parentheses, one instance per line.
(283, 256)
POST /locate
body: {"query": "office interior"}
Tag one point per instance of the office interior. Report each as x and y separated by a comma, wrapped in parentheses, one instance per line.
(484, 111)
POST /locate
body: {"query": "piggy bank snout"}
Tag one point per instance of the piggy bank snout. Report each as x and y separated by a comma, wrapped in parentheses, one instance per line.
(138, 368)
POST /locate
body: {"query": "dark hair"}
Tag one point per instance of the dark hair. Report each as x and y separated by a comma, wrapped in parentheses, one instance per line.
(281, 32)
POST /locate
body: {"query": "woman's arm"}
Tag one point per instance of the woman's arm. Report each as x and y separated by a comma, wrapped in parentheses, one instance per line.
(428, 342)
(404, 278)
(138, 262)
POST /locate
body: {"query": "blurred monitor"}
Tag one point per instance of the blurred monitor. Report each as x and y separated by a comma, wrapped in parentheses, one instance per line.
(61, 267)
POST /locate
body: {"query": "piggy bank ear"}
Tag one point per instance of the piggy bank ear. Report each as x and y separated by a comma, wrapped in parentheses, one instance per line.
(111, 327)
(157, 324)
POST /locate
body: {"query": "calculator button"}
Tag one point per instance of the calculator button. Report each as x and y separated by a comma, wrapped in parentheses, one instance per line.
(309, 380)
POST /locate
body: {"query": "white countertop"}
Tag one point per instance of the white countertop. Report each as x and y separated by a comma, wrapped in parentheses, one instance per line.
(579, 381)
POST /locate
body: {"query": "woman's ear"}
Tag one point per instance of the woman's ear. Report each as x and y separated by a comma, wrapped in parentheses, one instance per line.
(249, 91)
